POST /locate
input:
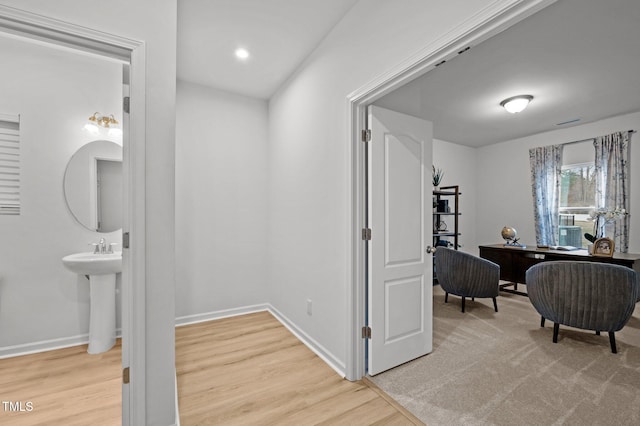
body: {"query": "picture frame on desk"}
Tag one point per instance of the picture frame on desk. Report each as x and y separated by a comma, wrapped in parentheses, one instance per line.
(603, 247)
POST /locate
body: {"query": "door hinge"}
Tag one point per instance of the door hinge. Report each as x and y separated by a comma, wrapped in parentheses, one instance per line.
(125, 240)
(125, 104)
(366, 332)
(366, 234)
(366, 135)
(125, 375)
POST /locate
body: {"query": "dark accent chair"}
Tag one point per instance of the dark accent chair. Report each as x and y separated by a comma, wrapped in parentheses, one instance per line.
(587, 295)
(466, 275)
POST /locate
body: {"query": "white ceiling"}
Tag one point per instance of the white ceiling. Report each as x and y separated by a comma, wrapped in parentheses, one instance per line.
(580, 59)
(279, 34)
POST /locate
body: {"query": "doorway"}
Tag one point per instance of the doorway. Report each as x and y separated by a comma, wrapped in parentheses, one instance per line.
(399, 263)
(58, 35)
(456, 42)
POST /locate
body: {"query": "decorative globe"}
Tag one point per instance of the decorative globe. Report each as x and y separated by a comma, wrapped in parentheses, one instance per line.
(509, 233)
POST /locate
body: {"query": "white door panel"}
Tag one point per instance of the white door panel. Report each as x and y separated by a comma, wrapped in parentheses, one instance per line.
(403, 308)
(400, 271)
(403, 174)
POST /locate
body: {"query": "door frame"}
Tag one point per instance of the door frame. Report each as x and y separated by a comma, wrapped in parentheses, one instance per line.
(59, 34)
(490, 21)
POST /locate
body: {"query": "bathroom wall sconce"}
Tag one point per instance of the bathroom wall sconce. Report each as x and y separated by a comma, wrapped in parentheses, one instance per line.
(99, 123)
(516, 103)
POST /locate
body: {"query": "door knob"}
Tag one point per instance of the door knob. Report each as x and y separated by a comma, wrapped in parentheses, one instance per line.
(431, 249)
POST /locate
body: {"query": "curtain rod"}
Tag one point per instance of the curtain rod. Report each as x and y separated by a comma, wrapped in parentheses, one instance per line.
(587, 140)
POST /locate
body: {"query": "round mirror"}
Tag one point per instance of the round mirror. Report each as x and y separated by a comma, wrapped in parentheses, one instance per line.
(93, 186)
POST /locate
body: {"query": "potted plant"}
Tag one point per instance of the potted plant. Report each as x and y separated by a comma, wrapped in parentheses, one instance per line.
(601, 218)
(437, 176)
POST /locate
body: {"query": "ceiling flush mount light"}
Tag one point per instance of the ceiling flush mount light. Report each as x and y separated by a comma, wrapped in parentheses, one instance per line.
(516, 103)
(242, 54)
(99, 123)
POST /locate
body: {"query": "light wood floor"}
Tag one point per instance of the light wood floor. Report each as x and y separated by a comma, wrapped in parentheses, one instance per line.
(251, 370)
(246, 370)
(65, 387)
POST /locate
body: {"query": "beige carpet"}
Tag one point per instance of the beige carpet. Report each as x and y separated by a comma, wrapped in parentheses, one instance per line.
(501, 368)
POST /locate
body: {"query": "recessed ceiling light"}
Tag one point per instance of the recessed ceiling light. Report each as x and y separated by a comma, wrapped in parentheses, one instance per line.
(516, 103)
(242, 54)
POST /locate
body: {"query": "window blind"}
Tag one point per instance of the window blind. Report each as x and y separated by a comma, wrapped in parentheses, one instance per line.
(9, 165)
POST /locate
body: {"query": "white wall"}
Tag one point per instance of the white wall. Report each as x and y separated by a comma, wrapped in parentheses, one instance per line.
(458, 163)
(154, 22)
(504, 179)
(308, 155)
(221, 200)
(54, 92)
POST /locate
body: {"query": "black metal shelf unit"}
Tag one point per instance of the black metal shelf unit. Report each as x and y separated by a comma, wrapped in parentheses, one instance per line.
(446, 203)
(443, 211)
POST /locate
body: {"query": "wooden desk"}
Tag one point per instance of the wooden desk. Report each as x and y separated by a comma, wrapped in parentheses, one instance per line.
(514, 261)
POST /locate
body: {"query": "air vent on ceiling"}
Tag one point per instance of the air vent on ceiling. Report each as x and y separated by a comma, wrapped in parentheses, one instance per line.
(568, 122)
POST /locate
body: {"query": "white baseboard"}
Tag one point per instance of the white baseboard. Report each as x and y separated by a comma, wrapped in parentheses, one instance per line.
(315, 347)
(47, 345)
(226, 313)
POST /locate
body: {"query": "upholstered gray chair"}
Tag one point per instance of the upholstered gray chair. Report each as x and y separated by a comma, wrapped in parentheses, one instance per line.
(587, 295)
(466, 275)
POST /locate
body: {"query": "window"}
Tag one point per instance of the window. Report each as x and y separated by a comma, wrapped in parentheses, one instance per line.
(577, 198)
(9, 165)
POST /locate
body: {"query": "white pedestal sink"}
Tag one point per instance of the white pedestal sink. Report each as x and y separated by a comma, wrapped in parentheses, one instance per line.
(101, 269)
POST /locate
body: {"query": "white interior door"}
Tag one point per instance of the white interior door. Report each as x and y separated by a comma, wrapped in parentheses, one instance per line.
(399, 268)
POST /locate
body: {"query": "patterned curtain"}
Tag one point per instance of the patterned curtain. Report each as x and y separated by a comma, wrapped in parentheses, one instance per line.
(546, 169)
(612, 183)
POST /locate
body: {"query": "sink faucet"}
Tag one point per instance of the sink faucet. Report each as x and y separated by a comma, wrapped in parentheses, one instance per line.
(100, 247)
